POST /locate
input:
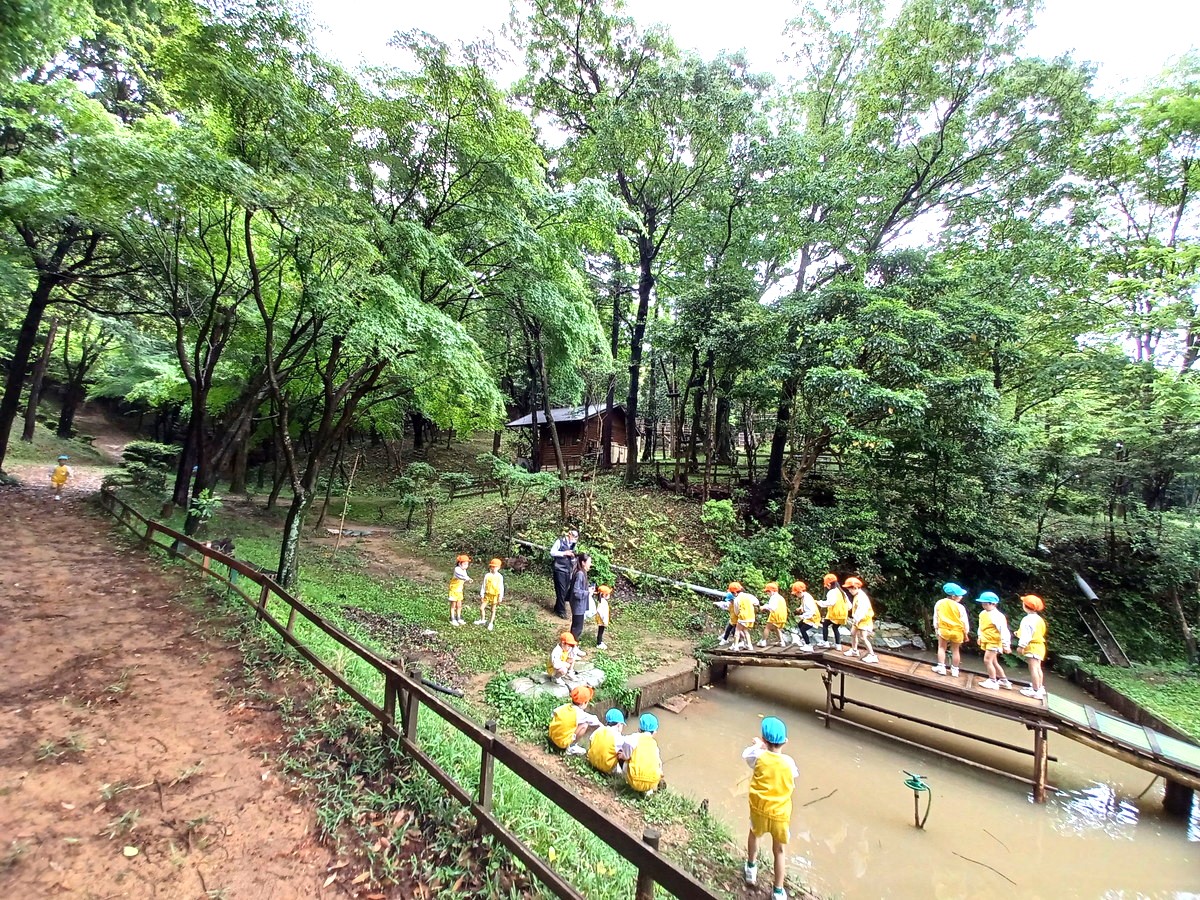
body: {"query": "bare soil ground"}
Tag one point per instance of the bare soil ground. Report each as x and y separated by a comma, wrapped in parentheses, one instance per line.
(127, 766)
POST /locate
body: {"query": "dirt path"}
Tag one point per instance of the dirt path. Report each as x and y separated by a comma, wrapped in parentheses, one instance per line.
(115, 734)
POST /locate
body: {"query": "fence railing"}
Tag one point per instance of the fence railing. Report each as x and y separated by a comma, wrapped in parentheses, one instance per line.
(404, 695)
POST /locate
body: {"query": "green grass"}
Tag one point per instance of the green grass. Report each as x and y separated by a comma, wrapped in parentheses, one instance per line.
(1170, 691)
(46, 447)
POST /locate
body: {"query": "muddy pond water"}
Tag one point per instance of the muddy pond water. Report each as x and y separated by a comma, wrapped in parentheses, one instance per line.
(852, 823)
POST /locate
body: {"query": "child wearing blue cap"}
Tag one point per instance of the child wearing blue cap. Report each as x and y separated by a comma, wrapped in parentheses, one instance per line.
(994, 639)
(60, 475)
(771, 788)
(643, 762)
(952, 625)
(602, 751)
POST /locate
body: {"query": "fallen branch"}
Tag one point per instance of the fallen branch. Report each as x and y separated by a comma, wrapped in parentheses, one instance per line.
(819, 799)
(986, 866)
(996, 839)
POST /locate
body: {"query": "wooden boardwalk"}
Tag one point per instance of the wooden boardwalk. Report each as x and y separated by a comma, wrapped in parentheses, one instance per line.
(1177, 761)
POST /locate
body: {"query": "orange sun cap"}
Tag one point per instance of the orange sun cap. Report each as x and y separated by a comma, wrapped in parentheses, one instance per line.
(604, 589)
(799, 587)
(829, 580)
(1033, 602)
(771, 586)
(853, 582)
(582, 695)
(462, 558)
(495, 563)
(735, 587)
(567, 638)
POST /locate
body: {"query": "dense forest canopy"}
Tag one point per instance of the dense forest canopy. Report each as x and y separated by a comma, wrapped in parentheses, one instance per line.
(936, 298)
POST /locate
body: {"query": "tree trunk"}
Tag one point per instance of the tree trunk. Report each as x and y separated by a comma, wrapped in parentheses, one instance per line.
(645, 288)
(1185, 629)
(558, 455)
(783, 422)
(35, 382)
(293, 525)
(19, 363)
(241, 455)
(652, 418)
(73, 396)
(187, 461)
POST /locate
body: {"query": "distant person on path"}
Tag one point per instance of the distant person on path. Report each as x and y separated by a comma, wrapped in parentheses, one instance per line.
(771, 788)
(643, 762)
(808, 614)
(580, 593)
(994, 639)
(729, 602)
(862, 620)
(457, 582)
(562, 658)
(953, 626)
(605, 742)
(60, 475)
(834, 609)
(491, 593)
(1031, 644)
(572, 721)
(562, 560)
(776, 609)
(603, 593)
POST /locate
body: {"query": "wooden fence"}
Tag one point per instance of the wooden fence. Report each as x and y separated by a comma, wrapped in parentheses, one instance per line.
(404, 694)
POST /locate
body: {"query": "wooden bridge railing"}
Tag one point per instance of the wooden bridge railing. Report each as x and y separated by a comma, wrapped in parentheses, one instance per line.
(404, 694)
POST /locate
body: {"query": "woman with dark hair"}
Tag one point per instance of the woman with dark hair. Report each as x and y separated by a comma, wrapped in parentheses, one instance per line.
(581, 590)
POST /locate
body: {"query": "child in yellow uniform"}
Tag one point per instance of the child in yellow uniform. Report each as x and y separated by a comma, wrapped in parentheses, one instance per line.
(643, 762)
(834, 609)
(808, 614)
(60, 475)
(606, 741)
(952, 624)
(862, 617)
(603, 593)
(771, 788)
(491, 593)
(1031, 643)
(572, 721)
(562, 658)
(747, 603)
(776, 609)
(994, 639)
(729, 602)
(458, 581)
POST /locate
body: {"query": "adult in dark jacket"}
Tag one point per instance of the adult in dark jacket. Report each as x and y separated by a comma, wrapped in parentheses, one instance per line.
(581, 590)
(562, 562)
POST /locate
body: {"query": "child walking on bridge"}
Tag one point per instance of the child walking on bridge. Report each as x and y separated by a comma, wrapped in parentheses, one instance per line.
(1031, 643)
(994, 639)
(729, 603)
(776, 609)
(746, 604)
(862, 617)
(952, 625)
(808, 614)
(834, 609)
(771, 789)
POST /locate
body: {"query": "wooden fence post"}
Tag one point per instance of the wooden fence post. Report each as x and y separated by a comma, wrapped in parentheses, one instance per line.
(148, 539)
(412, 704)
(645, 881)
(487, 770)
(262, 599)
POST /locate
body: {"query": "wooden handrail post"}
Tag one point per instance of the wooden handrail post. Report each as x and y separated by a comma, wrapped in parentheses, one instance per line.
(151, 527)
(262, 598)
(1040, 753)
(645, 881)
(412, 704)
(487, 769)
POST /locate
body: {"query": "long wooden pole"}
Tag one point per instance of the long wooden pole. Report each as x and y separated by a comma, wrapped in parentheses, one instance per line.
(346, 504)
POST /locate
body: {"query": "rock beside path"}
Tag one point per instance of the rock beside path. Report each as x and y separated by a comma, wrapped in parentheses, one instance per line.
(533, 687)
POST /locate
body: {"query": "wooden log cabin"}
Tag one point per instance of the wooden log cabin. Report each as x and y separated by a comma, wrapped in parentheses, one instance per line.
(579, 432)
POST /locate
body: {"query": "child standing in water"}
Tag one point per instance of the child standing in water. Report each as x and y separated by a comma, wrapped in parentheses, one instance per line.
(746, 605)
(776, 610)
(862, 617)
(491, 593)
(952, 625)
(729, 602)
(457, 582)
(834, 609)
(808, 614)
(994, 639)
(771, 789)
(60, 475)
(602, 594)
(1031, 643)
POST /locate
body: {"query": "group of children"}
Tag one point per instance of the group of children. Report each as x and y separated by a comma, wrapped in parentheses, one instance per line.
(842, 603)
(953, 627)
(634, 756)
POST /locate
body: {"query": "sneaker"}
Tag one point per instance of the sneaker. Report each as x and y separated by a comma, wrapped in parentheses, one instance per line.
(750, 874)
(807, 648)
(763, 642)
(953, 671)
(779, 894)
(559, 681)
(849, 652)
(576, 750)
(602, 646)
(1006, 684)
(991, 684)
(481, 621)
(56, 497)
(938, 670)
(581, 654)
(1039, 694)
(1028, 692)
(491, 626)
(871, 657)
(722, 642)
(837, 647)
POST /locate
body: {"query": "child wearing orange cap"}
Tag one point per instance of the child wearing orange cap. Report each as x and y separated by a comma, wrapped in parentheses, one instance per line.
(457, 582)
(834, 609)
(746, 604)
(572, 721)
(562, 658)
(491, 593)
(776, 609)
(603, 592)
(808, 614)
(862, 618)
(729, 602)
(1031, 644)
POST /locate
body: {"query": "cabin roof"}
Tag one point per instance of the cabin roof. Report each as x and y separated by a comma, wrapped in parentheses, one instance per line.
(562, 414)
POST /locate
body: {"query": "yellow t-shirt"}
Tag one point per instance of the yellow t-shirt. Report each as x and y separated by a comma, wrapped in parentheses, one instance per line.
(777, 614)
(563, 724)
(602, 751)
(950, 620)
(733, 609)
(809, 612)
(1032, 636)
(993, 629)
(745, 611)
(457, 581)
(642, 772)
(864, 612)
(839, 606)
(772, 784)
(59, 476)
(493, 587)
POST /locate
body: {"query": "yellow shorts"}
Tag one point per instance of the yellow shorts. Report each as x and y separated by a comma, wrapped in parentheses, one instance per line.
(952, 635)
(490, 601)
(746, 623)
(989, 646)
(779, 829)
(1033, 654)
(641, 785)
(777, 620)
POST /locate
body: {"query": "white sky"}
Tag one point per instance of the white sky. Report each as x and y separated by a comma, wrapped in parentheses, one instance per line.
(1129, 42)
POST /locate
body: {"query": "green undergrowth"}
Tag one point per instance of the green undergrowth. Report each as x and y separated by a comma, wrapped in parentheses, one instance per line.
(1170, 691)
(46, 447)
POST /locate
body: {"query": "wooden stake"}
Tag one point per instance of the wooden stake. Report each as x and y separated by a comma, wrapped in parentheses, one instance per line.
(346, 504)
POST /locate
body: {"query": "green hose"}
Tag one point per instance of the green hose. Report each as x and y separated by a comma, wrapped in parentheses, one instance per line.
(916, 784)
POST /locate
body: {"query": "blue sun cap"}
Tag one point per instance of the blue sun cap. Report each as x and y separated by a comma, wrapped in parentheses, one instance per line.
(954, 590)
(614, 717)
(773, 730)
(987, 597)
(648, 723)
(62, 457)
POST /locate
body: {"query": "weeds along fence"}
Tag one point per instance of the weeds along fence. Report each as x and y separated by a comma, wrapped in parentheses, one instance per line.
(403, 697)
